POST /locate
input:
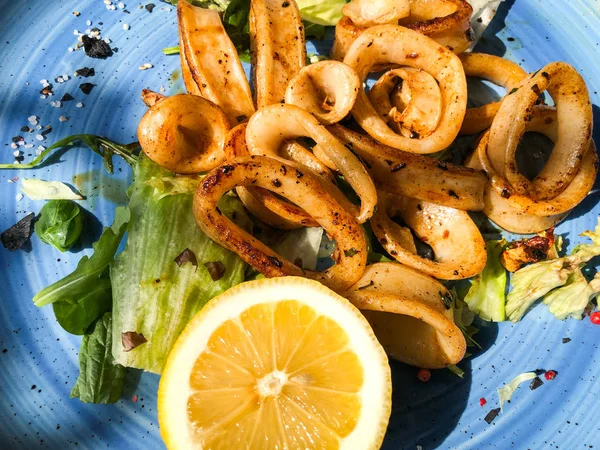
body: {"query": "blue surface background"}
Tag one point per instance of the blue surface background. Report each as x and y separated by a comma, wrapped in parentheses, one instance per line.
(38, 360)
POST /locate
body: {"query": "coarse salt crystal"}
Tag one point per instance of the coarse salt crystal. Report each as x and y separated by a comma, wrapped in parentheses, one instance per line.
(13, 145)
(21, 142)
(107, 2)
(107, 40)
(40, 137)
(79, 105)
(111, 7)
(126, 26)
(63, 119)
(65, 77)
(57, 104)
(44, 82)
(88, 31)
(17, 153)
(32, 120)
(42, 96)
(168, 9)
(162, 89)
(19, 197)
(76, 32)
(88, 22)
(9, 181)
(76, 13)
(28, 146)
(38, 127)
(121, 5)
(70, 49)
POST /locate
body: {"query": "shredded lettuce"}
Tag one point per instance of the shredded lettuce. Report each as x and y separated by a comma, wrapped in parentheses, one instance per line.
(571, 299)
(48, 190)
(486, 297)
(100, 380)
(506, 392)
(169, 185)
(322, 13)
(152, 295)
(536, 280)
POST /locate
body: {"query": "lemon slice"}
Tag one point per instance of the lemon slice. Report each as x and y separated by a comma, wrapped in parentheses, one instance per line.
(281, 363)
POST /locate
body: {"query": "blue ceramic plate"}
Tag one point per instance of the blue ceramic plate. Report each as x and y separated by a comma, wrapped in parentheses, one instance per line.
(38, 360)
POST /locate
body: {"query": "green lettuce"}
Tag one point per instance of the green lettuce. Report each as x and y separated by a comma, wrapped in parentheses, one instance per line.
(100, 380)
(571, 299)
(486, 297)
(537, 280)
(322, 13)
(153, 296)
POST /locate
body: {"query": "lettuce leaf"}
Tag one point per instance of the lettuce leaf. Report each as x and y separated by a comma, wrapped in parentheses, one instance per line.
(91, 271)
(536, 280)
(152, 295)
(506, 391)
(48, 190)
(100, 380)
(571, 299)
(322, 13)
(486, 297)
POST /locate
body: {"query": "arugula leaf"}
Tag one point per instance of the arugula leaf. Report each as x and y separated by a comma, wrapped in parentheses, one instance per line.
(171, 50)
(152, 295)
(60, 224)
(100, 380)
(486, 297)
(98, 144)
(89, 271)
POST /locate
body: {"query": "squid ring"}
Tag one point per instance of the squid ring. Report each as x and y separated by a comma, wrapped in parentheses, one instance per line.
(327, 89)
(499, 71)
(385, 44)
(448, 22)
(300, 188)
(410, 99)
(151, 98)
(456, 241)
(184, 133)
(262, 138)
(376, 12)
(410, 175)
(410, 315)
(574, 114)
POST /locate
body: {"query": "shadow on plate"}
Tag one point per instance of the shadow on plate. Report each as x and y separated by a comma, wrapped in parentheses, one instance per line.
(425, 414)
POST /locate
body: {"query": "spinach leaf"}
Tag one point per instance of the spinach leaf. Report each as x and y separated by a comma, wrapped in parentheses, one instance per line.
(77, 316)
(60, 224)
(90, 271)
(100, 380)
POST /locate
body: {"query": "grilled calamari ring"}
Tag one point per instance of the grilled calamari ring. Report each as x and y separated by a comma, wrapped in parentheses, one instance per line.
(385, 44)
(409, 100)
(277, 47)
(410, 175)
(448, 22)
(151, 98)
(457, 244)
(326, 89)
(499, 71)
(184, 133)
(300, 188)
(366, 13)
(262, 138)
(210, 64)
(411, 315)
(574, 117)
(521, 214)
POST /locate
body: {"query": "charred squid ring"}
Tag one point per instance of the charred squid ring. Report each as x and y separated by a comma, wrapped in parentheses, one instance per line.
(416, 176)
(543, 120)
(574, 117)
(418, 327)
(151, 98)
(499, 71)
(385, 44)
(367, 13)
(286, 215)
(209, 60)
(298, 187)
(452, 30)
(184, 133)
(262, 138)
(277, 47)
(409, 100)
(326, 89)
(459, 248)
